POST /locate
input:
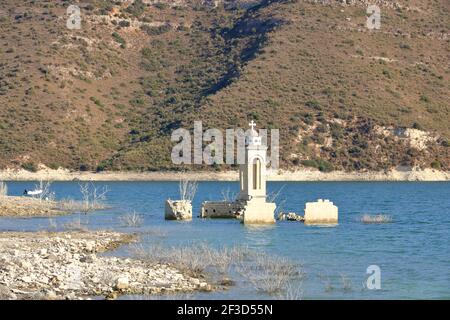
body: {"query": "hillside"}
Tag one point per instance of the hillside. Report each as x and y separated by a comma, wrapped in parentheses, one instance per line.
(108, 96)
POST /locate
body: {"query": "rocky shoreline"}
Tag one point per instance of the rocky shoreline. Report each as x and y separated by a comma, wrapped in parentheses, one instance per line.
(69, 265)
(399, 174)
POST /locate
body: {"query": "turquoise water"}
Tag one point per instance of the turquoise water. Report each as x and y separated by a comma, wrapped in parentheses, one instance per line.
(412, 252)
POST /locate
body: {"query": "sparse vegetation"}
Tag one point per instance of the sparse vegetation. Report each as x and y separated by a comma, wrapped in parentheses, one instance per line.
(154, 31)
(417, 126)
(46, 194)
(29, 166)
(380, 218)
(436, 165)
(269, 274)
(313, 104)
(320, 164)
(118, 38)
(194, 259)
(131, 219)
(424, 98)
(137, 8)
(293, 291)
(266, 273)
(76, 224)
(93, 198)
(346, 283)
(405, 46)
(223, 69)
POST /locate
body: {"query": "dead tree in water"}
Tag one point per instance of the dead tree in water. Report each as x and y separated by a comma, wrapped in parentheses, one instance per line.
(93, 198)
(187, 189)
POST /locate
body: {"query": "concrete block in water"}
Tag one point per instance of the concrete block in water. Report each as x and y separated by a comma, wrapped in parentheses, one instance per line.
(321, 211)
(220, 209)
(178, 210)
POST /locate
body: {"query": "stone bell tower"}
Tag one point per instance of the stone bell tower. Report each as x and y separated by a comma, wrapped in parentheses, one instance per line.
(252, 181)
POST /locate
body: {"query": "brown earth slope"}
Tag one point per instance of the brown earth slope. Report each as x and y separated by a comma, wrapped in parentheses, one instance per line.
(108, 96)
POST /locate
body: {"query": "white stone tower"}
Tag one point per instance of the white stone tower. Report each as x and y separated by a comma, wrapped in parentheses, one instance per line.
(252, 179)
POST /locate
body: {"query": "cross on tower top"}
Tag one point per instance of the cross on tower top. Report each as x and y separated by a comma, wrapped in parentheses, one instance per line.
(252, 124)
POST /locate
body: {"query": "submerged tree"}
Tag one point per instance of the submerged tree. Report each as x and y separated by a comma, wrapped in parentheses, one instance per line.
(188, 189)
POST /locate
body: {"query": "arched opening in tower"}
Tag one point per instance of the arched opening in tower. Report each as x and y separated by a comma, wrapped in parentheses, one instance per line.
(256, 174)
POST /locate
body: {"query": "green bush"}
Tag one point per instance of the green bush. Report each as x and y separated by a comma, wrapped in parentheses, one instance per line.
(119, 40)
(29, 166)
(155, 31)
(136, 9)
(96, 101)
(417, 126)
(424, 98)
(313, 104)
(387, 73)
(84, 167)
(102, 166)
(54, 166)
(405, 46)
(436, 165)
(137, 102)
(336, 131)
(254, 115)
(324, 166)
(310, 163)
(124, 23)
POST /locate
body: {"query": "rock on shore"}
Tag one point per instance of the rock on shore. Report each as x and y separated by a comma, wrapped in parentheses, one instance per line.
(66, 265)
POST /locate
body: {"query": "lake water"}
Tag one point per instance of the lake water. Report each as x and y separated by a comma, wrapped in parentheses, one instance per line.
(412, 251)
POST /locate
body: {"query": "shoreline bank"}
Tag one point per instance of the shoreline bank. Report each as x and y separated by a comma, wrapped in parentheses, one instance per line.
(12, 206)
(280, 175)
(70, 265)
